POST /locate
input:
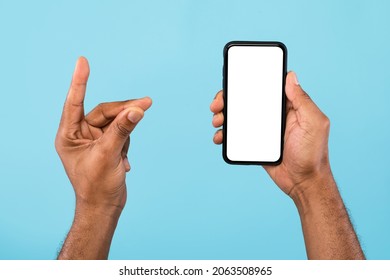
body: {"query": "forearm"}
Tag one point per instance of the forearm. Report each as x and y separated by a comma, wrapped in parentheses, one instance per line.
(327, 229)
(90, 235)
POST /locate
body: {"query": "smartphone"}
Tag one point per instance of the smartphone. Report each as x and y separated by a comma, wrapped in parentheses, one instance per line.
(254, 75)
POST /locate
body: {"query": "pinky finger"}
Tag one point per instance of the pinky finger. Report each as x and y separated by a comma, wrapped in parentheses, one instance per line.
(218, 137)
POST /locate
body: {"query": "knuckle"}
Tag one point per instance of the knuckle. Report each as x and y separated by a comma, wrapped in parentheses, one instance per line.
(58, 144)
(73, 104)
(59, 140)
(99, 107)
(325, 121)
(102, 105)
(306, 96)
(121, 131)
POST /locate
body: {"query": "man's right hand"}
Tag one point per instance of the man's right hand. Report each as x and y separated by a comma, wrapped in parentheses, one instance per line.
(305, 175)
(305, 156)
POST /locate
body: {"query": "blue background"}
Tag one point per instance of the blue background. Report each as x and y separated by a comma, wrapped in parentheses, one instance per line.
(184, 202)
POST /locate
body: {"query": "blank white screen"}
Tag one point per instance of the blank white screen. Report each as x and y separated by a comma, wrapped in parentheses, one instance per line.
(254, 103)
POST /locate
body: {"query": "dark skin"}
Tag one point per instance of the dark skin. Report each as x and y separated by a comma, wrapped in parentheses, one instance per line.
(93, 150)
(305, 175)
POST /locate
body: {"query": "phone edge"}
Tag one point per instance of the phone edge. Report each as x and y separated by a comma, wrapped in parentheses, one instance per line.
(224, 86)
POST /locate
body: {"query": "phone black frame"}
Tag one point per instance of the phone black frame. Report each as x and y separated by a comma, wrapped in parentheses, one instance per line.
(225, 96)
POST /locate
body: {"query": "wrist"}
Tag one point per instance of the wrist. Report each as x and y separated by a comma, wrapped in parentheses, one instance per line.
(100, 201)
(309, 182)
(309, 193)
(97, 212)
(99, 221)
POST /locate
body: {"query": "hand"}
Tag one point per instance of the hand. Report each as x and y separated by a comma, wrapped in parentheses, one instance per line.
(305, 175)
(305, 156)
(93, 148)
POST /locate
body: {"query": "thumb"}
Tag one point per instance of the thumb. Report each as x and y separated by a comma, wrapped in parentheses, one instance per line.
(299, 99)
(114, 139)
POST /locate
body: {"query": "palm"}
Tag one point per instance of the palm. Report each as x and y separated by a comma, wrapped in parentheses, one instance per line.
(304, 149)
(90, 132)
(293, 149)
(81, 141)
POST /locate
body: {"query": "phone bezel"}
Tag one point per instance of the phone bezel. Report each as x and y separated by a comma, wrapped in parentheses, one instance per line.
(225, 96)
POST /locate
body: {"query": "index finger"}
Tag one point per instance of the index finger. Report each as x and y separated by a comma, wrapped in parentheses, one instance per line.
(105, 113)
(217, 104)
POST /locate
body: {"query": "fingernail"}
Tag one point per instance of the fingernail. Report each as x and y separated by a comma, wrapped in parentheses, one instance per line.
(134, 116)
(295, 78)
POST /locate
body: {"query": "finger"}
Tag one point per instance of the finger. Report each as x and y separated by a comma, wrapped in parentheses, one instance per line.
(217, 104)
(127, 164)
(218, 137)
(105, 113)
(218, 119)
(73, 111)
(114, 139)
(299, 99)
(124, 155)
